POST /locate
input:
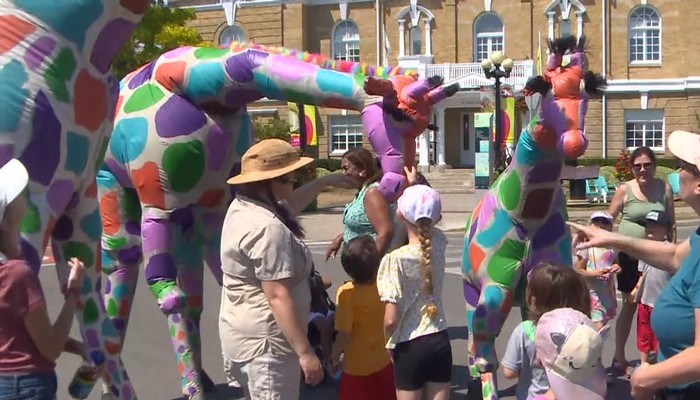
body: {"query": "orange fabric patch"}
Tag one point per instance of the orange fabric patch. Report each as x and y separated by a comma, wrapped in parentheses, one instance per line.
(544, 137)
(109, 211)
(90, 101)
(47, 234)
(476, 256)
(14, 30)
(120, 100)
(211, 198)
(91, 190)
(171, 74)
(148, 185)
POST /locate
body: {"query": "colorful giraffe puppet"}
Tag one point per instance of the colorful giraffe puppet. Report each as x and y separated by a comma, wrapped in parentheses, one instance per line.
(181, 127)
(57, 97)
(413, 100)
(520, 222)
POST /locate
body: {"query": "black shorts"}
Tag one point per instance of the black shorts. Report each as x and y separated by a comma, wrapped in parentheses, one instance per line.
(629, 275)
(424, 359)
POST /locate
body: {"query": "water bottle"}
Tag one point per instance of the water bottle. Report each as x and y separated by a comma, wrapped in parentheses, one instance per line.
(82, 383)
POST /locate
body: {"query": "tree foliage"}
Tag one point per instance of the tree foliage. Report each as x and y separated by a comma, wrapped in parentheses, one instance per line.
(273, 128)
(161, 29)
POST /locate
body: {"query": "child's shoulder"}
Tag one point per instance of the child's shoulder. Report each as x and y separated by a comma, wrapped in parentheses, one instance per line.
(345, 289)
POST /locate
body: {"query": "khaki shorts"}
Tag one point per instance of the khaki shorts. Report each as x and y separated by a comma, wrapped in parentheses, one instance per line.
(267, 377)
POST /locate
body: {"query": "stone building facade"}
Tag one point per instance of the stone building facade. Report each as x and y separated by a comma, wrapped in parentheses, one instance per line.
(644, 47)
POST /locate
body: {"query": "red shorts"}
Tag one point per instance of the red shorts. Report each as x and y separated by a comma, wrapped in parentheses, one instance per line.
(376, 386)
(646, 341)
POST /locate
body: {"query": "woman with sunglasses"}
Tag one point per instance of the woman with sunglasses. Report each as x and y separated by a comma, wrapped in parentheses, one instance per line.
(633, 200)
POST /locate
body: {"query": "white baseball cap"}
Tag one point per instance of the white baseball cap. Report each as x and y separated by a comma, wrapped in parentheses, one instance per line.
(420, 201)
(686, 146)
(13, 180)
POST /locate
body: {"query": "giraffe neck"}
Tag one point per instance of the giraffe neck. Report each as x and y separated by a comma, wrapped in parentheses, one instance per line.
(535, 174)
(96, 28)
(232, 78)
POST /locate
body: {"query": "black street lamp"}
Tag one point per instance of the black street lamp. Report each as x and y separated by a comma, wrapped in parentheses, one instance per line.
(498, 68)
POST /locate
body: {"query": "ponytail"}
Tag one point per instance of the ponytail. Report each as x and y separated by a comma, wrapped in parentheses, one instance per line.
(425, 227)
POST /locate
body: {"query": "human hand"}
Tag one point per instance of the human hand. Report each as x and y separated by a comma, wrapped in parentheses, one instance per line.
(592, 236)
(632, 296)
(640, 390)
(311, 368)
(615, 269)
(411, 174)
(76, 274)
(333, 247)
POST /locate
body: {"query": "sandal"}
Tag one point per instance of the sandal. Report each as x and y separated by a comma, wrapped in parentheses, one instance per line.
(619, 368)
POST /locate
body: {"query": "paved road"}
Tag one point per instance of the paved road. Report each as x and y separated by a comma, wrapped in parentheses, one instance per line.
(152, 367)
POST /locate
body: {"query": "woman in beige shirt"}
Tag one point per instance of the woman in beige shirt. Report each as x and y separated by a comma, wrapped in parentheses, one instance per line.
(266, 297)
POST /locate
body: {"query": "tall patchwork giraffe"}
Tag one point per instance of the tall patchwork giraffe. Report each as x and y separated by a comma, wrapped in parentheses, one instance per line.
(57, 97)
(181, 128)
(520, 222)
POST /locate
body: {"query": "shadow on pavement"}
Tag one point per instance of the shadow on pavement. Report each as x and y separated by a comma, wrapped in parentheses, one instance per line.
(457, 332)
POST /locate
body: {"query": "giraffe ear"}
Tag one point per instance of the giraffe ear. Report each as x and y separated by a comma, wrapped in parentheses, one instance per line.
(558, 339)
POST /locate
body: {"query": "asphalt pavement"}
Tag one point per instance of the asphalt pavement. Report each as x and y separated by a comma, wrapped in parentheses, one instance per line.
(152, 368)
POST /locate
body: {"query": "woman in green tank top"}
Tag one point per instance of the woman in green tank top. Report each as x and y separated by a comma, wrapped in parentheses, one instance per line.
(633, 200)
(368, 213)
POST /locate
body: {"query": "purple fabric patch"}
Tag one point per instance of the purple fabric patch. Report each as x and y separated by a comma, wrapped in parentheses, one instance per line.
(178, 117)
(239, 97)
(43, 154)
(133, 228)
(175, 53)
(160, 266)
(7, 152)
(520, 231)
(182, 217)
(471, 294)
(38, 51)
(156, 235)
(130, 255)
(240, 66)
(63, 229)
(59, 194)
(142, 76)
(31, 255)
(109, 42)
(545, 172)
(119, 173)
(218, 142)
(550, 232)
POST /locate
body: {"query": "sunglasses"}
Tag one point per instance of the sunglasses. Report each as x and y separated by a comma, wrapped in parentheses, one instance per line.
(639, 166)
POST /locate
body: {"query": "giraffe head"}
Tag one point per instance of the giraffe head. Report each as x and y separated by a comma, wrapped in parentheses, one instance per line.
(565, 91)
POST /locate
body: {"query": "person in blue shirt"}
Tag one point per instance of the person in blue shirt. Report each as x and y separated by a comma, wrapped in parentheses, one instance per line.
(676, 317)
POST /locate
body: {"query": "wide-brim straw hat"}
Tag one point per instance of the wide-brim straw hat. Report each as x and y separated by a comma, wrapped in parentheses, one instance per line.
(268, 159)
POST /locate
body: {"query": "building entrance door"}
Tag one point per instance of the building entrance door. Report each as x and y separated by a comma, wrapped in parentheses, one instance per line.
(467, 142)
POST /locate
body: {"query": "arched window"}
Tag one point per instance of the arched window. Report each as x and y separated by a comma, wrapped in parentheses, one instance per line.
(488, 35)
(346, 41)
(231, 34)
(644, 35)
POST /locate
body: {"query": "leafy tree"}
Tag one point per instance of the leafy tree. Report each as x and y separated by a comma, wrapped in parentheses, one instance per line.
(273, 128)
(161, 29)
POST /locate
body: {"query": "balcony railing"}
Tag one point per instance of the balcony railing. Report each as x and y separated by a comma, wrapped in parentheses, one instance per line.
(470, 75)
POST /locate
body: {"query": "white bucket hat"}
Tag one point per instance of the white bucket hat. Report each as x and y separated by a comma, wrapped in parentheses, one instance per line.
(13, 180)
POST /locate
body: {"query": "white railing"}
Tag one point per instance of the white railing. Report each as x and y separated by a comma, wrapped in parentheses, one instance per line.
(471, 74)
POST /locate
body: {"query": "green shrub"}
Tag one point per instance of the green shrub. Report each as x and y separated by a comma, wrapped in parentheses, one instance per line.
(321, 172)
(608, 172)
(662, 172)
(330, 164)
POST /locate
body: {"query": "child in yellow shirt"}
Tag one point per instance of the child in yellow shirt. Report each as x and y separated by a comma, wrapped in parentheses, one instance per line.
(359, 320)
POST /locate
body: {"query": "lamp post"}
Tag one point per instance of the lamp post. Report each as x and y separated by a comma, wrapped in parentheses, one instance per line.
(497, 67)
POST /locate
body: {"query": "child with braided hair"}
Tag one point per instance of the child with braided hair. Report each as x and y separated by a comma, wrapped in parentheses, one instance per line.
(409, 282)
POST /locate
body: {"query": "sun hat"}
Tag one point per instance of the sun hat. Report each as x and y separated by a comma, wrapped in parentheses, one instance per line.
(268, 159)
(420, 201)
(13, 180)
(570, 350)
(601, 215)
(686, 146)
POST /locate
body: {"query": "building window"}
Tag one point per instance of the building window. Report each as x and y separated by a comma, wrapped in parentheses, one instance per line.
(345, 132)
(416, 45)
(644, 35)
(645, 128)
(488, 35)
(346, 41)
(231, 34)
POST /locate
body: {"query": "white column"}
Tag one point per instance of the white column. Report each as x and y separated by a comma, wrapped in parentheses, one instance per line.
(428, 37)
(579, 23)
(550, 21)
(402, 38)
(440, 114)
(424, 149)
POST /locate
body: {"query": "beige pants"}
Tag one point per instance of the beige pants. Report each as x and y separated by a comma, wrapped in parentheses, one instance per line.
(267, 377)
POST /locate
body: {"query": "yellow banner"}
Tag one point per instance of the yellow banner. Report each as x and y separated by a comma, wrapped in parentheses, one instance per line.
(309, 124)
(508, 122)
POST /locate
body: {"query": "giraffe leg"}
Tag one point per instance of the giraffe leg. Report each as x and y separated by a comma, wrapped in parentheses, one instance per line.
(77, 234)
(121, 247)
(184, 326)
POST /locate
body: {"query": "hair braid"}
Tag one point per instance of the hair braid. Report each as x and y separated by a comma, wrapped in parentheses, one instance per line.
(425, 226)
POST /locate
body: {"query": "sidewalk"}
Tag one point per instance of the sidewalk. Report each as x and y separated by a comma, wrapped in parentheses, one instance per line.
(456, 208)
